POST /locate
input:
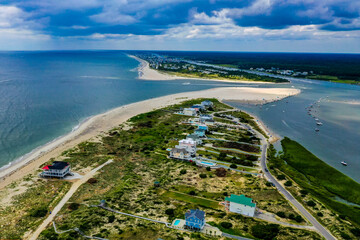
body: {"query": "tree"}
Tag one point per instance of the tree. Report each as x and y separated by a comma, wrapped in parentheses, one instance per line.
(311, 203)
(208, 168)
(226, 225)
(169, 212)
(281, 214)
(298, 219)
(203, 175)
(304, 192)
(220, 172)
(222, 156)
(111, 218)
(355, 231)
(288, 183)
(281, 177)
(233, 166)
(320, 214)
(266, 232)
(39, 212)
(183, 171)
(192, 192)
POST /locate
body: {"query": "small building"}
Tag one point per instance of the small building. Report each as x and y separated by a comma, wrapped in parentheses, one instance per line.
(187, 143)
(156, 184)
(58, 169)
(194, 137)
(200, 132)
(180, 153)
(240, 204)
(207, 103)
(189, 111)
(195, 219)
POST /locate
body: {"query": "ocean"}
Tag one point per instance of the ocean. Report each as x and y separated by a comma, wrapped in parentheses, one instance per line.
(44, 95)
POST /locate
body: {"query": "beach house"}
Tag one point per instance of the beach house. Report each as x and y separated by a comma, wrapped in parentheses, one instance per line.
(240, 204)
(189, 111)
(194, 219)
(180, 153)
(58, 169)
(195, 137)
(203, 126)
(200, 132)
(187, 143)
(207, 103)
(198, 107)
(205, 118)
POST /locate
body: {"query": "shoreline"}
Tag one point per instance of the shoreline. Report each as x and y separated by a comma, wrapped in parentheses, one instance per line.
(95, 125)
(146, 73)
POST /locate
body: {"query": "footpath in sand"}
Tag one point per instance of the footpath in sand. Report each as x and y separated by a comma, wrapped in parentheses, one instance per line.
(65, 199)
(103, 122)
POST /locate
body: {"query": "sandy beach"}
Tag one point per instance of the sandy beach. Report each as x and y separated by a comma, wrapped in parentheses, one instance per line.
(103, 122)
(146, 73)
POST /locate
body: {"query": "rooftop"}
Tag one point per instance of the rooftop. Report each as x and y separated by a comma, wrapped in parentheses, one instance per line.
(56, 165)
(241, 200)
(195, 212)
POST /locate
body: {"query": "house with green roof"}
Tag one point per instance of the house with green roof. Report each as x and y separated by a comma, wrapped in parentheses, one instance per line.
(240, 204)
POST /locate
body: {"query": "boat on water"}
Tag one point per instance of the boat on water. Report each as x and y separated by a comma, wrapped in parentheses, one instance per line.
(186, 83)
(319, 123)
(344, 163)
(316, 119)
(316, 129)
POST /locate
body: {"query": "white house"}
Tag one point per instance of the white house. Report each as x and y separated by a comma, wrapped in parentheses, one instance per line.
(240, 204)
(195, 137)
(189, 111)
(207, 103)
(58, 169)
(206, 119)
(180, 153)
(187, 143)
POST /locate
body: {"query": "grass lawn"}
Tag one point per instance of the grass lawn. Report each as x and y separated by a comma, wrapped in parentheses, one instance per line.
(192, 199)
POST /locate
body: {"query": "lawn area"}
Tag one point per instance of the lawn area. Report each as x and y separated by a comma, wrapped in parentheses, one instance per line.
(192, 199)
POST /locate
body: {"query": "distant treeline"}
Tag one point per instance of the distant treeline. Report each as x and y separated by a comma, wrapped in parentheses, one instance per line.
(343, 66)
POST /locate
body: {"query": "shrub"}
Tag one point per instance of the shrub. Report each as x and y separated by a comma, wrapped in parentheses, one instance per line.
(192, 192)
(222, 156)
(39, 212)
(292, 216)
(304, 192)
(345, 236)
(225, 194)
(169, 212)
(111, 218)
(233, 166)
(288, 183)
(203, 175)
(73, 206)
(320, 214)
(266, 232)
(311, 203)
(226, 225)
(281, 214)
(92, 180)
(183, 171)
(355, 231)
(208, 169)
(281, 177)
(220, 172)
(298, 219)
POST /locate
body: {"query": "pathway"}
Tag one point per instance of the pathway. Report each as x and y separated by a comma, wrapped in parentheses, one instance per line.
(64, 200)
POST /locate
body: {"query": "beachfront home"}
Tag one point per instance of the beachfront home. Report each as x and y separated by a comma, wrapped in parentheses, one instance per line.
(187, 143)
(194, 137)
(240, 204)
(200, 132)
(207, 103)
(194, 219)
(189, 111)
(206, 119)
(58, 169)
(180, 153)
(198, 107)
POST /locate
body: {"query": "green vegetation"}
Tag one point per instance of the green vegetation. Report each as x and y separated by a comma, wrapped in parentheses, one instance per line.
(316, 186)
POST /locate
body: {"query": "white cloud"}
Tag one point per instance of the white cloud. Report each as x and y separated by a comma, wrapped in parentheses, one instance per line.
(10, 16)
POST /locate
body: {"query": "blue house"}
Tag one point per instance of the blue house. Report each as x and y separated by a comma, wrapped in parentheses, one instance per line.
(194, 219)
(200, 132)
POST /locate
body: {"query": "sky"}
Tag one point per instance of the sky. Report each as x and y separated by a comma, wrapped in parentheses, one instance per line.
(195, 25)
